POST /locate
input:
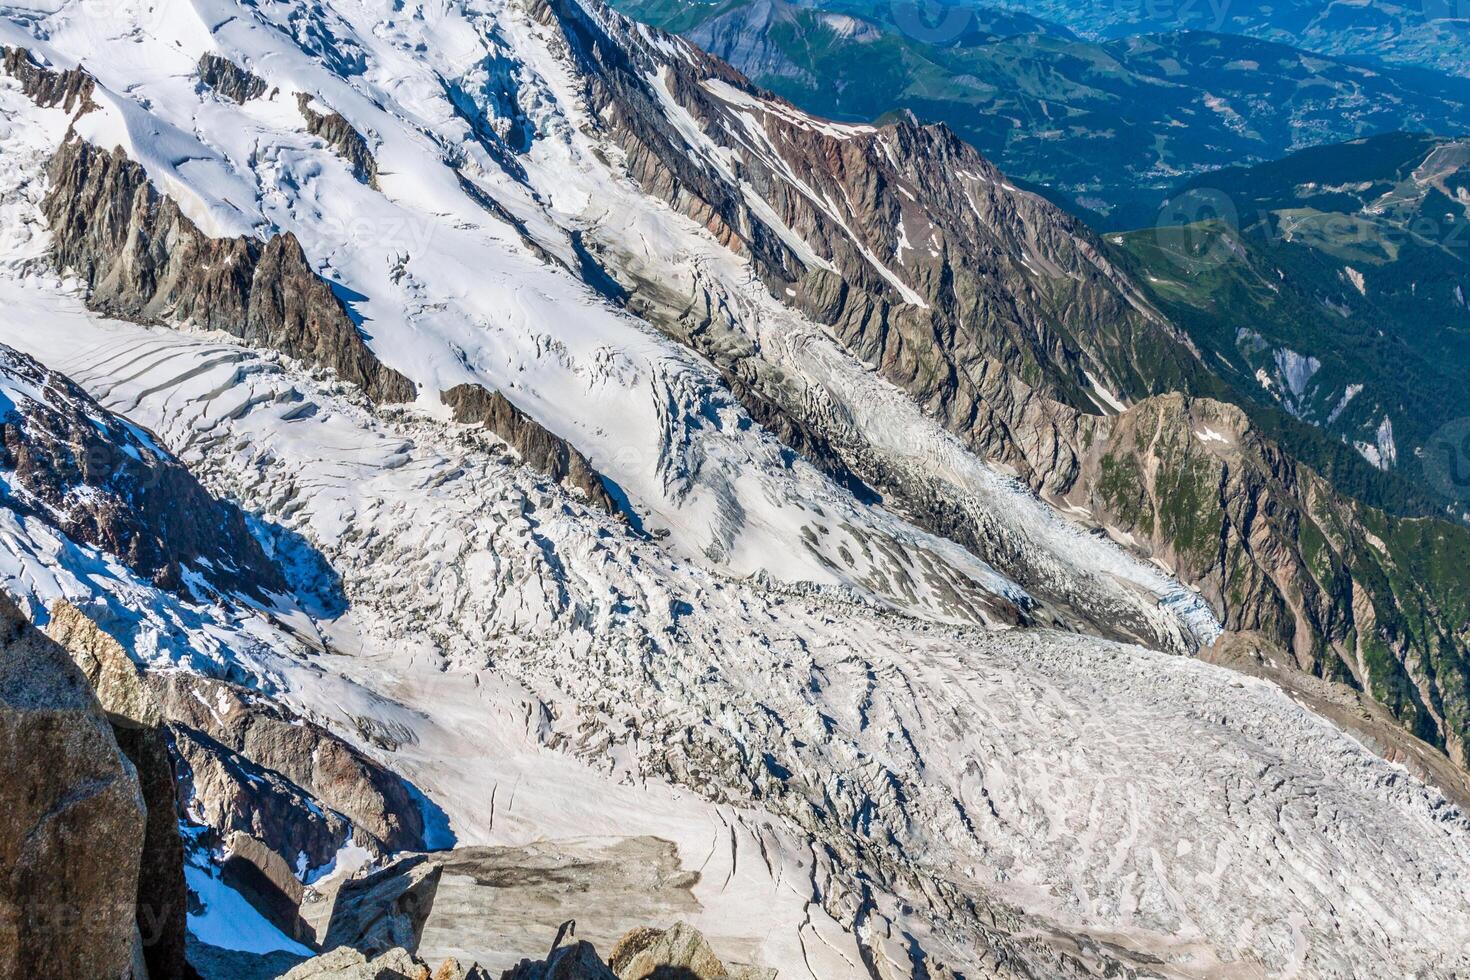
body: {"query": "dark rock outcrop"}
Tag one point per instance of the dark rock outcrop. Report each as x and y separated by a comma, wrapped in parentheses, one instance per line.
(103, 481)
(229, 80)
(145, 261)
(337, 132)
(72, 818)
(543, 451)
(233, 796)
(378, 803)
(578, 961)
(383, 910)
(70, 90)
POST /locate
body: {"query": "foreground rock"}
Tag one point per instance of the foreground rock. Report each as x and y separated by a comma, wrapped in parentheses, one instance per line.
(385, 909)
(136, 724)
(681, 951)
(578, 961)
(72, 818)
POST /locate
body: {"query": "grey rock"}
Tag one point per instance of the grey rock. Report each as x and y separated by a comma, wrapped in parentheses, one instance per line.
(678, 953)
(543, 451)
(350, 964)
(377, 802)
(232, 795)
(452, 969)
(223, 76)
(338, 133)
(385, 909)
(145, 261)
(608, 885)
(163, 896)
(578, 961)
(72, 818)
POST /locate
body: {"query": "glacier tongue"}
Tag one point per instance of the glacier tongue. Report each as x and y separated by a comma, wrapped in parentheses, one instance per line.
(1049, 798)
(794, 687)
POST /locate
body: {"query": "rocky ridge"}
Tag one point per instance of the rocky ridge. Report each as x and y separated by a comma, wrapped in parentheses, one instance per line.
(105, 482)
(539, 449)
(338, 133)
(144, 260)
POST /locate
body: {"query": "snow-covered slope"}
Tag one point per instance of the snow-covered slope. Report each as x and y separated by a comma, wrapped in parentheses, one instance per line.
(802, 690)
(550, 675)
(449, 292)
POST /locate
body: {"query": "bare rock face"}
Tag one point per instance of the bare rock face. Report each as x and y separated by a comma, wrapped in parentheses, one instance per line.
(237, 798)
(377, 802)
(539, 449)
(136, 723)
(578, 961)
(383, 910)
(72, 818)
(678, 952)
(145, 261)
(70, 90)
(350, 964)
(117, 681)
(229, 80)
(103, 481)
(338, 133)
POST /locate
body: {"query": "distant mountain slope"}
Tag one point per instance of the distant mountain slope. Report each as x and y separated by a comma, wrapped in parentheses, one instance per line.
(1426, 33)
(1106, 126)
(1335, 284)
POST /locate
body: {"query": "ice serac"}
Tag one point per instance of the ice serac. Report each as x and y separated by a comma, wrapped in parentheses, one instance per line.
(543, 451)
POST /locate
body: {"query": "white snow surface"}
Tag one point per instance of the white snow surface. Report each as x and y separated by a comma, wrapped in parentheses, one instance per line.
(840, 757)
